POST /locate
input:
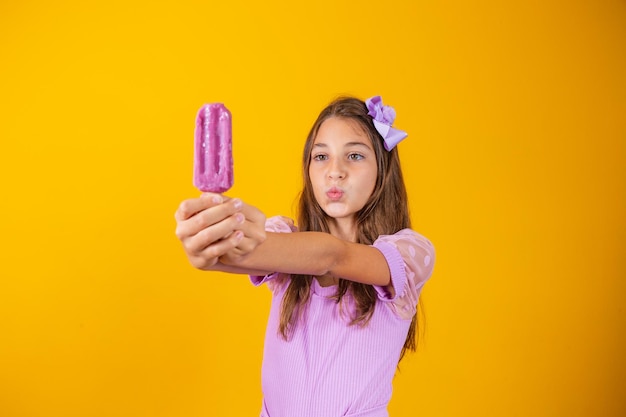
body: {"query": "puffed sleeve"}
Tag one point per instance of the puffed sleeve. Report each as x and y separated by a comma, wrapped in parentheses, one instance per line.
(410, 257)
(276, 224)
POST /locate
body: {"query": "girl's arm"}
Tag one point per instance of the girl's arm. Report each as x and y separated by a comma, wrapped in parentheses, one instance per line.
(314, 253)
(230, 236)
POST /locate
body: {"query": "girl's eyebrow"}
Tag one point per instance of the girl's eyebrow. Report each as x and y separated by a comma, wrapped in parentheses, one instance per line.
(323, 145)
(357, 144)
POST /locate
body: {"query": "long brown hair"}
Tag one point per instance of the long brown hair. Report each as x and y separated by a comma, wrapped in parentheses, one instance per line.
(385, 213)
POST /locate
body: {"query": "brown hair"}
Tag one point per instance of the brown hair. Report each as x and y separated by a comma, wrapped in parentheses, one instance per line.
(385, 213)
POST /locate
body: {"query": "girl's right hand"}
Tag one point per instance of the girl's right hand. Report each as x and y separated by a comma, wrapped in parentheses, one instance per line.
(209, 227)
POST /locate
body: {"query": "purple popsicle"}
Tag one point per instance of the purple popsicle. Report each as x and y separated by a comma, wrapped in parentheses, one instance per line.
(213, 156)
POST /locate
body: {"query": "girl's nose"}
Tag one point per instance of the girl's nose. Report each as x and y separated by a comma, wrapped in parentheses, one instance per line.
(336, 170)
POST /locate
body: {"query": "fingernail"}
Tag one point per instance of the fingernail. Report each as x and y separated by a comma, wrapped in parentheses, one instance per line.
(238, 235)
(238, 203)
(240, 217)
(217, 199)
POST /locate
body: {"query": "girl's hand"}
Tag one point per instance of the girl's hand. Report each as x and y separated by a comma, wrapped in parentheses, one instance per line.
(209, 227)
(253, 229)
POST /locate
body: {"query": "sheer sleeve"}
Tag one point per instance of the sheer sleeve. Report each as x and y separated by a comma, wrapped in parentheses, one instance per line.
(410, 257)
(276, 224)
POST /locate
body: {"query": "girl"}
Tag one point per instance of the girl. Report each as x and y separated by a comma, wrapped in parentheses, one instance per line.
(345, 283)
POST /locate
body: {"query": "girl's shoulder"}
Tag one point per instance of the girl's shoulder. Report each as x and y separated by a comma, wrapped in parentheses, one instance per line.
(406, 235)
(410, 244)
(411, 257)
(276, 280)
(280, 224)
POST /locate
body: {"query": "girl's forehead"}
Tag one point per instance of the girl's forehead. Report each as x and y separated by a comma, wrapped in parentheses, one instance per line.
(340, 129)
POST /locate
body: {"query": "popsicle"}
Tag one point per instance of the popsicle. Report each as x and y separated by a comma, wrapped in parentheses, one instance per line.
(213, 156)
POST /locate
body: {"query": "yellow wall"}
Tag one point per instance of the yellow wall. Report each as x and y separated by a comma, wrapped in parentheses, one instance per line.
(515, 164)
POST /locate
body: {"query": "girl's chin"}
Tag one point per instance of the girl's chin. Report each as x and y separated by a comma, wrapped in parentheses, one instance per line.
(338, 214)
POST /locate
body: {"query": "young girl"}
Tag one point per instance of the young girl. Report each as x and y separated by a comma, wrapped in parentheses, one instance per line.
(345, 283)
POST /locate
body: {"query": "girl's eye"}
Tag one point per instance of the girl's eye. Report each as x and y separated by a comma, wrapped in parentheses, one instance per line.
(320, 157)
(355, 157)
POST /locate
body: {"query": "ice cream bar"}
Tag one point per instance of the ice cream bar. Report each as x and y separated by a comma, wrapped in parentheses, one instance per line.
(213, 157)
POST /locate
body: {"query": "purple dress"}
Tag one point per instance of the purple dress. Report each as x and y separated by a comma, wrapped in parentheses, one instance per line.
(329, 368)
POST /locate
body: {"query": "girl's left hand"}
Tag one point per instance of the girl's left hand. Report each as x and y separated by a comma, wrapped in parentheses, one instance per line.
(253, 229)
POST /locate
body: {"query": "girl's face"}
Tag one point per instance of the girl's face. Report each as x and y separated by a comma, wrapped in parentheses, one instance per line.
(343, 169)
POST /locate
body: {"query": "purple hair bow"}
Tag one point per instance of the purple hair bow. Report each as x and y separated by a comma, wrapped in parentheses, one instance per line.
(383, 119)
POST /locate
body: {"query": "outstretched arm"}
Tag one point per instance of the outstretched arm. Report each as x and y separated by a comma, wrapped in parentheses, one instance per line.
(227, 235)
(315, 253)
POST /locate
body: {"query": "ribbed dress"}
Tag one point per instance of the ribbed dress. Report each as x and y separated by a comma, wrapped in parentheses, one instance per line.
(329, 368)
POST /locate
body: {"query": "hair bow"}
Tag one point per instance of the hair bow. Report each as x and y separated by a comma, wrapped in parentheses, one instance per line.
(383, 119)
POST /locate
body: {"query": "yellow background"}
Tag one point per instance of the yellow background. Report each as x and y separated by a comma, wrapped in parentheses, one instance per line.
(515, 166)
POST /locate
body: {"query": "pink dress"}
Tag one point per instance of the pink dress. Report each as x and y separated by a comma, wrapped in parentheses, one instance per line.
(329, 368)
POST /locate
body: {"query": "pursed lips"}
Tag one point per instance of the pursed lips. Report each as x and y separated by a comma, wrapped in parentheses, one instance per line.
(334, 194)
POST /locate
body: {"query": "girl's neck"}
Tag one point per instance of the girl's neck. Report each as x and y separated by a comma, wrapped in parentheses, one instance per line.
(344, 229)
